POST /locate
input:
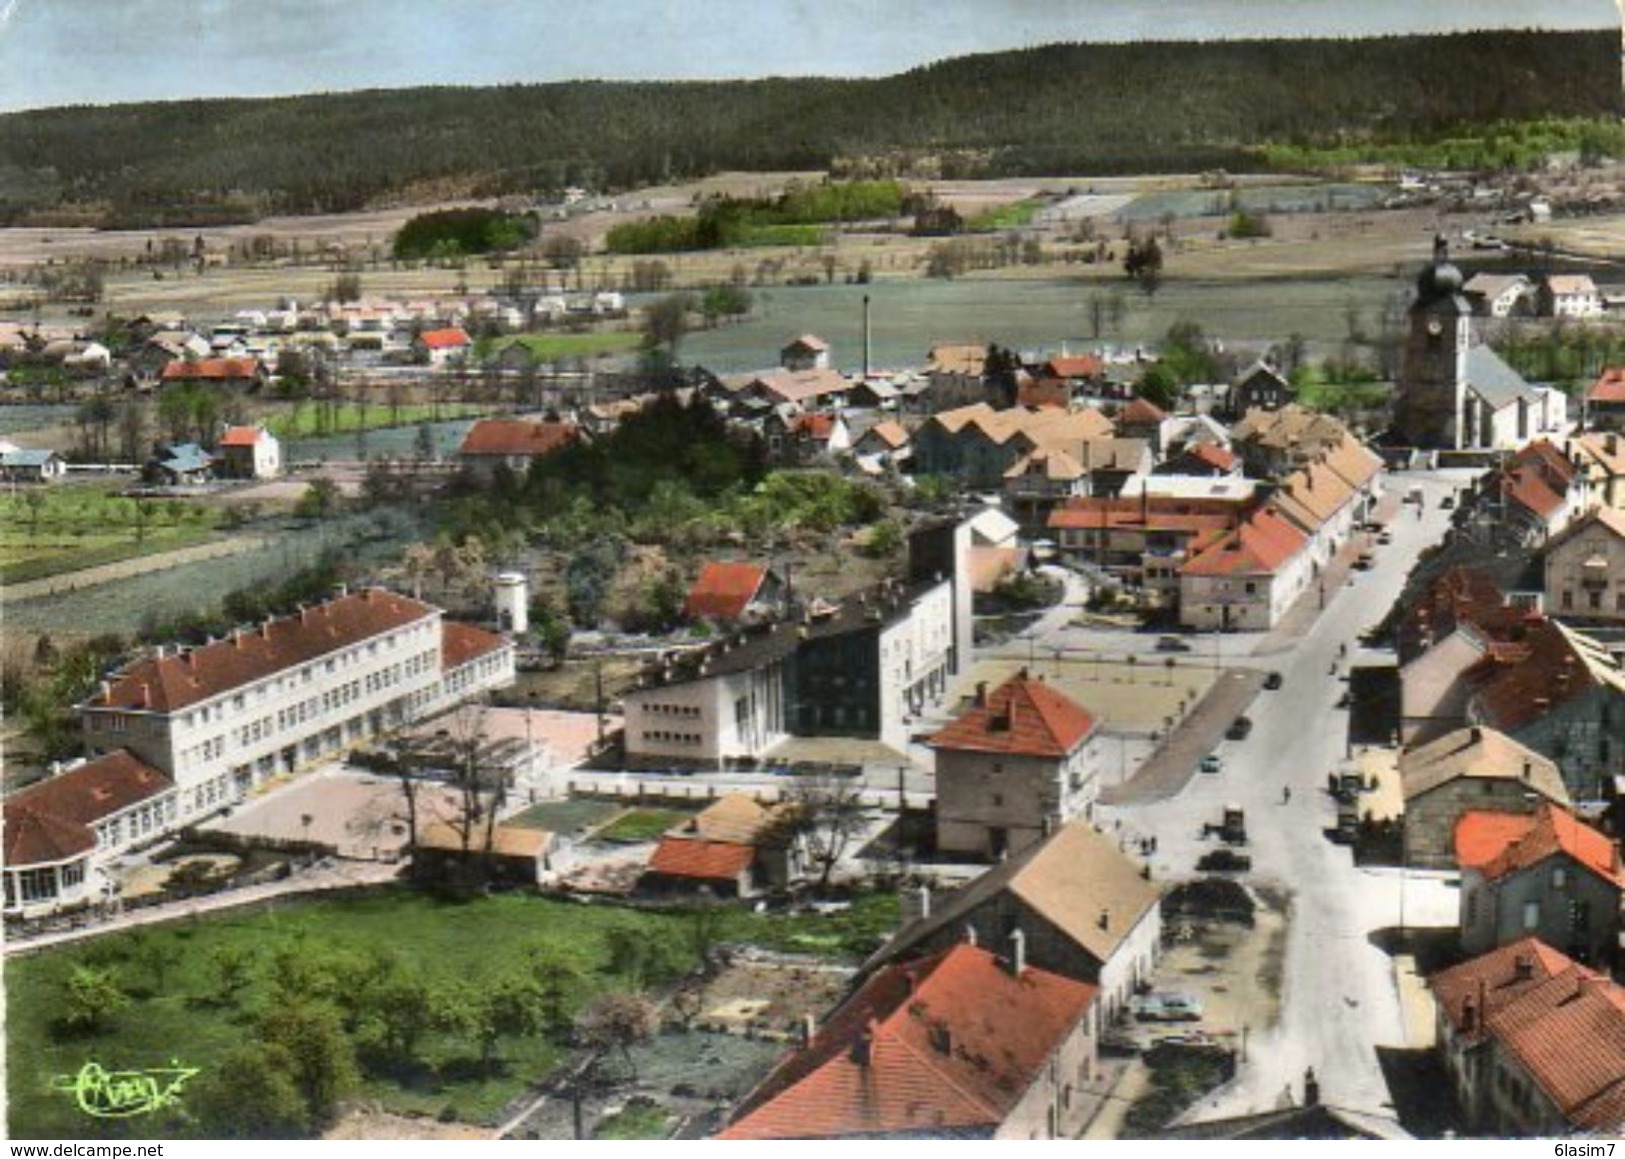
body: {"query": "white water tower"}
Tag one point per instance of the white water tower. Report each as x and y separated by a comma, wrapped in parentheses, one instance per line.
(512, 596)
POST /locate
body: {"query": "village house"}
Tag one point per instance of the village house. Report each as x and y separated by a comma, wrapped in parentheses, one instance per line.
(1273, 443)
(1600, 458)
(22, 465)
(962, 1044)
(1498, 295)
(1544, 874)
(248, 453)
(1470, 769)
(884, 446)
(266, 700)
(726, 591)
(1087, 910)
(1461, 616)
(1020, 762)
(805, 390)
(512, 443)
(1141, 541)
(735, 846)
(796, 439)
(1560, 693)
(1569, 296)
(1538, 490)
(1533, 1042)
(1259, 387)
(1605, 401)
(1585, 568)
(508, 854)
(1082, 373)
(443, 347)
(956, 371)
(808, 352)
(976, 444)
(1330, 496)
(62, 831)
(1248, 577)
(238, 374)
(179, 465)
(1201, 460)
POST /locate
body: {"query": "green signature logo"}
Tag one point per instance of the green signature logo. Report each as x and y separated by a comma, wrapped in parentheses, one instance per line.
(123, 1094)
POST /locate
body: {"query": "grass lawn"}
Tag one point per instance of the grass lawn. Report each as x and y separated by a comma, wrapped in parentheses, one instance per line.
(549, 346)
(566, 817)
(642, 825)
(46, 531)
(639, 1122)
(300, 420)
(1012, 216)
(178, 1015)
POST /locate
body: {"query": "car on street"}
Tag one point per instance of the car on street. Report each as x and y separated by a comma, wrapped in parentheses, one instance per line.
(1211, 763)
(1447, 503)
(1364, 561)
(1384, 538)
(1239, 728)
(1172, 644)
(1273, 681)
(1223, 861)
(1167, 1007)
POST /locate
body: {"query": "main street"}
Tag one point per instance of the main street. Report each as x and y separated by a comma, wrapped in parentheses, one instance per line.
(1339, 999)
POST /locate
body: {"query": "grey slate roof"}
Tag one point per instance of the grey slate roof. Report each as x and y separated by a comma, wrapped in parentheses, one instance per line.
(27, 458)
(1493, 380)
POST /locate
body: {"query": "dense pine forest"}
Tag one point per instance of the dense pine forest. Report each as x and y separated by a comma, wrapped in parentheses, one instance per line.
(1054, 110)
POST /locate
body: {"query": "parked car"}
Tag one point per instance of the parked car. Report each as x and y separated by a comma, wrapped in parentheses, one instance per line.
(1364, 561)
(1172, 644)
(1273, 681)
(1211, 763)
(1167, 1007)
(1384, 538)
(1447, 503)
(1223, 861)
(1239, 728)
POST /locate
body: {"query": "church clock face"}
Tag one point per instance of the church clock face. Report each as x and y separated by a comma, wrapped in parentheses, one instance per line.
(1435, 327)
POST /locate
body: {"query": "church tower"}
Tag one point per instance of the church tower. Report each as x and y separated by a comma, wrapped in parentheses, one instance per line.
(1431, 405)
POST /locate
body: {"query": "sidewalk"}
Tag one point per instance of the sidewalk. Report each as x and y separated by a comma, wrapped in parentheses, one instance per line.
(342, 875)
(1173, 764)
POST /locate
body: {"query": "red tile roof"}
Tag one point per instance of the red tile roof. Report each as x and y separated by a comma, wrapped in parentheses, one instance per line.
(1494, 980)
(445, 339)
(1481, 837)
(1150, 513)
(701, 860)
(1260, 546)
(1551, 462)
(948, 1043)
(50, 821)
(723, 590)
(890, 433)
(1141, 412)
(516, 437)
(212, 368)
(1460, 595)
(243, 436)
(176, 681)
(1537, 670)
(460, 643)
(809, 342)
(1609, 387)
(1213, 455)
(818, 427)
(1529, 490)
(1021, 716)
(1568, 1032)
(1548, 832)
(1044, 392)
(1075, 366)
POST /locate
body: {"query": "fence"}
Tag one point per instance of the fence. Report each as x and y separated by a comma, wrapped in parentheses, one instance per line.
(682, 792)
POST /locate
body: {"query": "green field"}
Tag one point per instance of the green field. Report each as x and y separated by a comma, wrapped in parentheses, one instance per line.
(1013, 216)
(642, 825)
(309, 420)
(178, 1012)
(51, 530)
(550, 347)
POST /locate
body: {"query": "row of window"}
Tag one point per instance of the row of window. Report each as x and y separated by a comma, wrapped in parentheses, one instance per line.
(35, 885)
(692, 738)
(1594, 601)
(149, 819)
(671, 709)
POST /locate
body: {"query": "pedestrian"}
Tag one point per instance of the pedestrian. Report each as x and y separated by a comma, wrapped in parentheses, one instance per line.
(1286, 794)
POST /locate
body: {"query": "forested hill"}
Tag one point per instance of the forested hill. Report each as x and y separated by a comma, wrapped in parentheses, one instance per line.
(1053, 110)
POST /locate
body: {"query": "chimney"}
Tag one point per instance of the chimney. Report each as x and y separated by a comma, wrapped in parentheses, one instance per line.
(863, 1048)
(866, 338)
(925, 901)
(1477, 735)
(981, 694)
(1528, 769)
(1104, 921)
(1311, 1088)
(1522, 968)
(808, 1027)
(970, 934)
(107, 690)
(1018, 952)
(1611, 443)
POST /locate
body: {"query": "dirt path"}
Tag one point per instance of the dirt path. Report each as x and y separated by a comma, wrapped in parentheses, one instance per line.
(124, 569)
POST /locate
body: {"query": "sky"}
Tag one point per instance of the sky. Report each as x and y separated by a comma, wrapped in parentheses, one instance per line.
(62, 52)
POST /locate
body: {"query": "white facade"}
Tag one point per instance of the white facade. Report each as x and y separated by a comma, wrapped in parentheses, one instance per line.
(512, 597)
(1246, 603)
(736, 715)
(1585, 571)
(916, 657)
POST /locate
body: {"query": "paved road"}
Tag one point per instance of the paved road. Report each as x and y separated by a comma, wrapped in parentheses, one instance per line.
(1339, 1000)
